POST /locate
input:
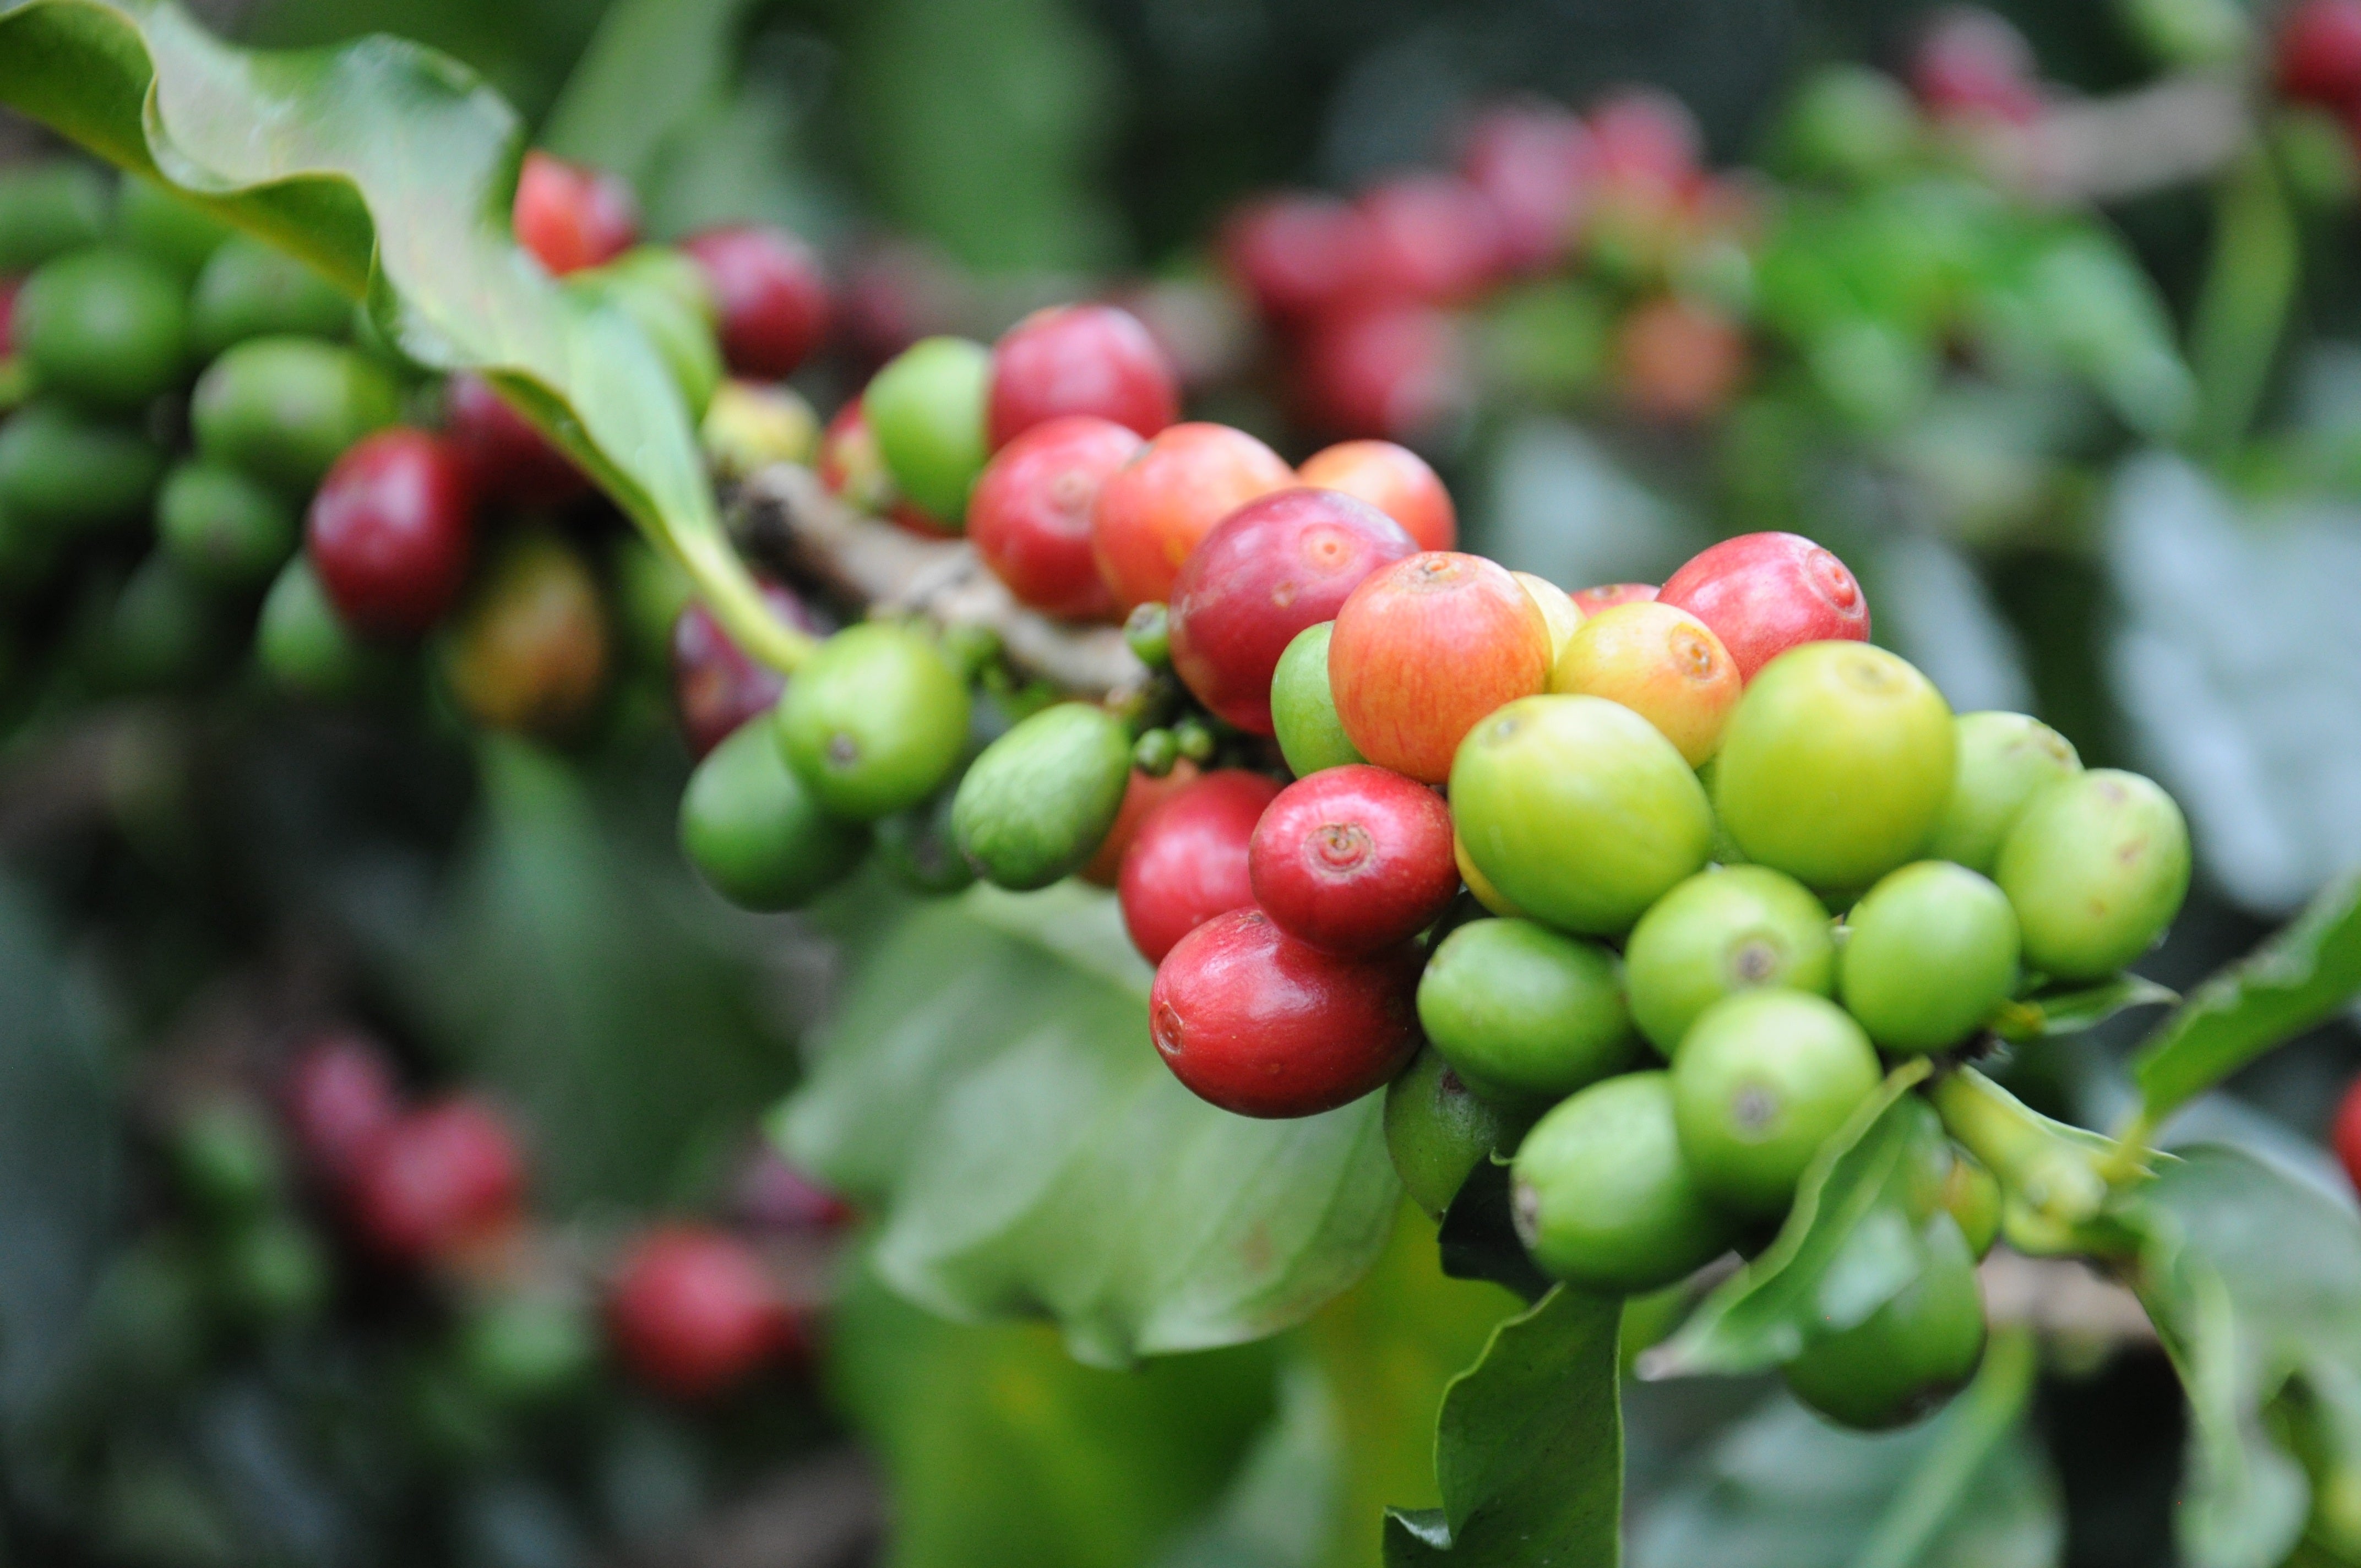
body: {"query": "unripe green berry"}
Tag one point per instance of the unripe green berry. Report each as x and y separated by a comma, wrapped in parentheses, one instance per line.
(1931, 951)
(1726, 929)
(2096, 869)
(1761, 1081)
(1602, 1196)
(2004, 760)
(1525, 1015)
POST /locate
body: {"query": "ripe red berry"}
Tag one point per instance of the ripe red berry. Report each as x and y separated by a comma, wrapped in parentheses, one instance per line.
(850, 466)
(570, 216)
(1395, 480)
(1189, 861)
(441, 1176)
(1271, 568)
(1029, 514)
(692, 1312)
(8, 287)
(1679, 360)
(339, 1098)
(1533, 162)
(1080, 360)
(1354, 859)
(1142, 793)
(390, 530)
(715, 686)
(506, 457)
(1154, 511)
(1295, 254)
(770, 292)
(1607, 596)
(1263, 1024)
(2319, 52)
(1974, 64)
(1642, 138)
(2345, 1133)
(1434, 238)
(772, 1195)
(1765, 593)
(1392, 369)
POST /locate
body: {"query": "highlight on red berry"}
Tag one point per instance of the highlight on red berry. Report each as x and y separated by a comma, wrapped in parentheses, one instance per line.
(692, 1312)
(1160, 506)
(392, 530)
(1030, 515)
(1188, 861)
(770, 293)
(1395, 480)
(339, 1097)
(1765, 593)
(1080, 360)
(443, 1176)
(571, 216)
(1354, 859)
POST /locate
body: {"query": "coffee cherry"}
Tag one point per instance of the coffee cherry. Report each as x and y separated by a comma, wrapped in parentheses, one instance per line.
(61, 472)
(167, 227)
(223, 528)
(1424, 649)
(715, 686)
(305, 646)
(1558, 611)
(284, 409)
(1384, 368)
(1354, 859)
(2345, 1133)
(1847, 123)
(1039, 801)
(1680, 360)
(163, 630)
(225, 1158)
(1607, 596)
(769, 292)
(1141, 795)
(1190, 860)
(920, 850)
(1836, 765)
(1479, 886)
(1395, 480)
(1030, 515)
(1909, 1355)
(1271, 569)
(526, 1347)
(391, 532)
(527, 652)
(850, 466)
(1437, 1133)
(1932, 951)
(755, 833)
(251, 289)
(1262, 1024)
(1080, 359)
(443, 1176)
(2004, 760)
(1303, 709)
(106, 327)
(1525, 1015)
(692, 1312)
(1434, 238)
(1662, 664)
(874, 721)
(1724, 930)
(1296, 254)
(2095, 868)
(771, 1194)
(1973, 1198)
(2319, 52)
(927, 411)
(49, 207)
(339, 1097)
(1603, 1198)
(1644, 137)
(1972, 65)
(1156, 509)
(1578, 811)
(272, 1270)
(750, 425)
(1760, 1081)
(1534, 164)
(571, 216)
(510, 459)
(1765, 593)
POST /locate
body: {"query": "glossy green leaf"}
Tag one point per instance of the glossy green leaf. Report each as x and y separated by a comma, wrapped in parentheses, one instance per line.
(1002, 1104)
(650, 67)
(390, 168)
(2047, 1014)
(1479, 1236)
(1849, 1244)
(2294, 980)
(1529, 1450)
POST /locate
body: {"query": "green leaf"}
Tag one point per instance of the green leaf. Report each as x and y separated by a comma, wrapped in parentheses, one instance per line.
(2048, 1014)
(1848, 1244)
(1032, 1154)
(1479, 1236)
(390, 168)
(1528, 1451)
(2295, 980)
(650, 67)
(1280, 1508)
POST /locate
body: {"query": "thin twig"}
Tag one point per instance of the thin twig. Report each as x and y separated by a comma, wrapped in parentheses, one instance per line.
(2172, 132)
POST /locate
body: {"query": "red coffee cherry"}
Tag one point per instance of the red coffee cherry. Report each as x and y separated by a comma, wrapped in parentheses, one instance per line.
(508, 460)
(390, 530)
(2345, 1133)
(1142, 793)
(1765, 593)
(2319, 52)
(570, 216)
(1263, 1024)
(1392, 369)
(770, 292)
(715, 686)
(850, 466)
(1080, 360)
(1271, 568)
(1029, 514)
(773, 1195)
(1434, 238)
(1534, 163)
(692, 1312)
(1395, 480)
(441, 1176)
(1354, 859)
(1153, 511)
(1189, 861)
(340, 1097)
(1645, 139)
(1295, 254)
(1972, 63)
(1607, 596)
(1679, 360)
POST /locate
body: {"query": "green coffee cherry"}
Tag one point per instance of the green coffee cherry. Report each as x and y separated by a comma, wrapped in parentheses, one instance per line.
(919, 848)
(1524, 1014)
(62, 472)
(1155, 752)
(1039, 801)
(2004, 760)
(1303, 709)
(104, 326)
(227, 1157)
(1724, 930)
(1760, 1081)
(1931, 951)
(163, 225)
(164, 630)
(1602, 1196)
(757, 833)
(874, 721)
(1848, 123)
(927, 408)
(1193, 738)
(273, 1270)
(306, 649)
(1971, 1195)
(1910, 1355)
(2096, 868)
(1438, 1132)
(1578, 811)
(528, 1349)
(47, 209)
(284, 409)
(222, 528)
(1147, 633)
(650, 590)
(1836, 765)
(250, 290)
